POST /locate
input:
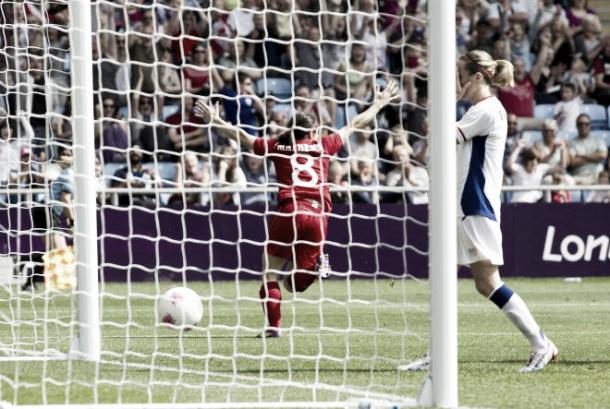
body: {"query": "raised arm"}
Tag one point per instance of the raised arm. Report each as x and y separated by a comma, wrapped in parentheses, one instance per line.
(512, 159)
(211, 115)
(382, 99)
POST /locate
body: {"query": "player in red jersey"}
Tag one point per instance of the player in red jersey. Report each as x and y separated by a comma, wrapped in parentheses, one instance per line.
(298, 230)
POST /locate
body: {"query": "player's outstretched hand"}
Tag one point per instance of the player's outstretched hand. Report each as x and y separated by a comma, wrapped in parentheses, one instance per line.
(206, 112)
(390, 94)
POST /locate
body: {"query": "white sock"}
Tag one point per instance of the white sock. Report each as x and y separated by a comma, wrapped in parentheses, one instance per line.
(517, 312)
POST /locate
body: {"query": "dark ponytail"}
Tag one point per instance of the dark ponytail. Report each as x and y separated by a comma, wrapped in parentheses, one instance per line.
(300, 125)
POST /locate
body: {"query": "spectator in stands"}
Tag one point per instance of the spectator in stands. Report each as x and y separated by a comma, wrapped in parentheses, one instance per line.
(61, 195)
(483, 36)
(356, 83)
(567, 110)
(143, 52)
(169, 77)
(358, 17)
(419, 143)
(378, 36)
(362, 149)
(241, 105)
(114, 140)
(587, 42)
(544, 73)
(545, 15)
(416, 112)
(144, 131)
(408, 173)
(519, 99)
(227, 173)
(601, 70)
(600, 196)
(587, 153)
(504, 12)
(473, 11)
(254, 171)
(197, 73)
(307, 59)
(512, 136)
(579, 75)
(26, 175)
(266, 52)
(241, 18)
(337, 177)
(236, 56)
(9, 153)
(143, 110)
(311, 104)
(530, 173)
(398, 136)
(115, 50)
(366, 177)
(576, 13)
(520, 44)
(561, 42)
(134, 175)
(462, 34)
(550, 148)
(187, 27)
(188, 131)
(190, 173)
(42, 93)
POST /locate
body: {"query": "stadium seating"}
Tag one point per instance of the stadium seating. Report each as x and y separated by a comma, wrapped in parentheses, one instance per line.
(531, 137)
(544, 111)
(284, 108)
(598, 115)
(278, 87)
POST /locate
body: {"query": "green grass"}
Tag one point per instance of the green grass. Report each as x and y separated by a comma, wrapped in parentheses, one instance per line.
(343, 342)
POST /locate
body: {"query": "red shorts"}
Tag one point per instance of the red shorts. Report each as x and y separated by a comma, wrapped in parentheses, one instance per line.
(298, 235)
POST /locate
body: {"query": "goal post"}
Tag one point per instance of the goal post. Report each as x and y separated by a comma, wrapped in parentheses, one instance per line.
(88, 342)
(442, 208)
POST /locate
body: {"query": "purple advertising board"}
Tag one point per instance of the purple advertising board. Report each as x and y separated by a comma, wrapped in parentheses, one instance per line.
(364, 241)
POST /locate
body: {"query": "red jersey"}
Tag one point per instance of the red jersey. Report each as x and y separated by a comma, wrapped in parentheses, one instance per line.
(302, 174)
(519, 100)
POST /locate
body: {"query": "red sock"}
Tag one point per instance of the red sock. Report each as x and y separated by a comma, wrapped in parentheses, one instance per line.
(272, 307)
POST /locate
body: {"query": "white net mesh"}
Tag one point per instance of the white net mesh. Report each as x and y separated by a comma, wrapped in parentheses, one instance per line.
(179, 204)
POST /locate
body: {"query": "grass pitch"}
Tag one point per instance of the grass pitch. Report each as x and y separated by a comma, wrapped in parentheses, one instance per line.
(345, 343)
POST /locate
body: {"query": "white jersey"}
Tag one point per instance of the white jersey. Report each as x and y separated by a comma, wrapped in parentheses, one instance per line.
(481, 136)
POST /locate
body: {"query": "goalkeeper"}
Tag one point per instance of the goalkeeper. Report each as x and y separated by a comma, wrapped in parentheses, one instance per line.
(297, 233)
(57, 226)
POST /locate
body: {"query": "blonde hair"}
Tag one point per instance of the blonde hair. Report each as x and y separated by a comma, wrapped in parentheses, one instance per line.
(497, 73)
(550, 123)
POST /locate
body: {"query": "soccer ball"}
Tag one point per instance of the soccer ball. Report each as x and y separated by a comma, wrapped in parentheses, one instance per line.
(180, 306)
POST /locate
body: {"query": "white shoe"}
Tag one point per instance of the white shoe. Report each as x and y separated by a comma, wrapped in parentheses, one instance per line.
(540, 359)
(421, 364)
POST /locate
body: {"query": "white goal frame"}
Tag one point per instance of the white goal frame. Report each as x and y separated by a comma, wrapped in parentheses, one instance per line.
(441, 387)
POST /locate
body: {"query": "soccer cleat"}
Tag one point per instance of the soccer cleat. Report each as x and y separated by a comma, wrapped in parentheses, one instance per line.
(270, 333)
(421, 364)
(540, 359)
(323, 266)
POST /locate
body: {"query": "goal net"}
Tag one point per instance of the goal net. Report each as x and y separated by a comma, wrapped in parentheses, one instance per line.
(179, 204)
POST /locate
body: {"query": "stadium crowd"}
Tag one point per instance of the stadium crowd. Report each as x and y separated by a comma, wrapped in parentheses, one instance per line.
(152, 59)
